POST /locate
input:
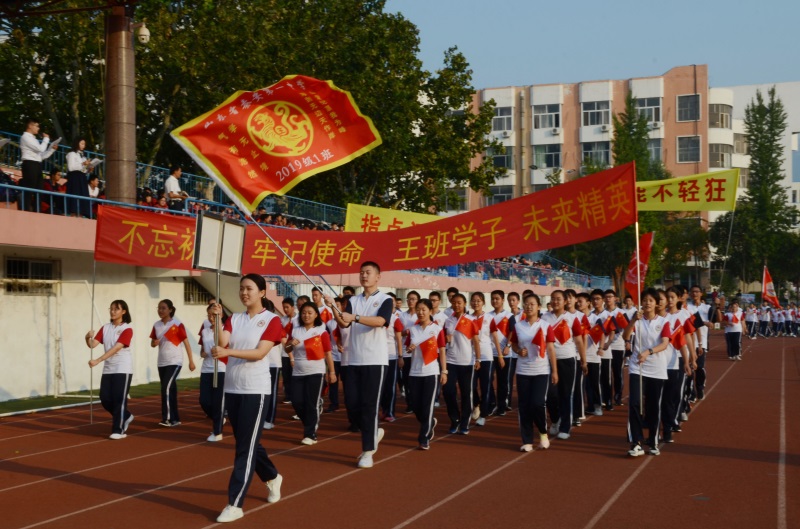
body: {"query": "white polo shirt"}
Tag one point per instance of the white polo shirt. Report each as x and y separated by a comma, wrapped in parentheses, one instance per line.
(302, 365)
(524, 333)
(109, 336)
(501, 327)
(207, 342)
(417, 336)
(649, 334)
(169, 354)
(366, 345)
(565, 327)
(250, 376)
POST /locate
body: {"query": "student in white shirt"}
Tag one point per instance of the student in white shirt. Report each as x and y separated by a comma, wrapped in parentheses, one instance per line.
(647, 371)
(679, 364)
(500, 330)
(594, 335)
(483, 379)
(367, 316)
(246, 341)
(172, 189)
(733, 331)
(515, 312)
(168, 335)
(394, 343)
(463, 353)
(426, 342)
(408, 318)
(116, 337)
(212, 399)
(536, 370)
(702, 315)
(77, 178)
(33, 153)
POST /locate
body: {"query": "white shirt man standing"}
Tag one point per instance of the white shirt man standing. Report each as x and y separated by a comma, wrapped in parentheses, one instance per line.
(33, 152)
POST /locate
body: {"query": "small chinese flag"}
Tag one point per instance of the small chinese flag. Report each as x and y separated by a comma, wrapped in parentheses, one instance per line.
(479, 325)
(562, 332)
(430, 350)
(325, 316)
(734, 318)
(173, 335)
(314, 349)
(621, 321)
(608, 325)
(596, 333)
(466, 327)
(678, 339)
(502, 326)
(539, 342)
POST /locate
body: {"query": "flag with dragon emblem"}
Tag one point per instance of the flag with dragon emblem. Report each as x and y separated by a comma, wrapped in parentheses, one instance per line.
(269, 140)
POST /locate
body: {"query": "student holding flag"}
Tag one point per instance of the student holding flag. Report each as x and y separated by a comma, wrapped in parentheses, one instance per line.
(532, 339)
(483, 381)
(408, 319)
(501, 349)
(426, 343)
(212, 399)
(616, 322)
(168, 334)
(394, 342)
(116, 337)
(678, 363)
(246, 341)
(463, 359)
(592, 323)
(733, 331)
(647, 370)
(310, 346)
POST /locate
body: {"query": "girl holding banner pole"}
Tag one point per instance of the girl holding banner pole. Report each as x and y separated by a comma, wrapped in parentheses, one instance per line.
(212, 399)
(246, 341)
(426, 343)
(310, 345)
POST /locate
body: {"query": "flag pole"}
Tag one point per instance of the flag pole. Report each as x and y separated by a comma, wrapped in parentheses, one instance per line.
(91, 326)
(218, 317)
(286, 254)
(639, 304)
(727, 250)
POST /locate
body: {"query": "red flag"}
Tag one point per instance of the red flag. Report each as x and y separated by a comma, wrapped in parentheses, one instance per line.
(502, 326)
(430, 350)
(173, 335)
(539, 342)
(596, 333)
(678, 338)
(768, 289)
(268, 141)
(645, 247)
(734, 318)
(621, 320)
(325, 316)
(466, 327)
(562, 332)
(314, 349)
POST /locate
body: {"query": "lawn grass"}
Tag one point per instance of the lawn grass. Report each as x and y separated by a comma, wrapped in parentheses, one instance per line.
(41, 403)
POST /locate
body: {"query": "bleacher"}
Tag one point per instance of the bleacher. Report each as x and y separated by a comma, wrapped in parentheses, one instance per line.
(298, 213)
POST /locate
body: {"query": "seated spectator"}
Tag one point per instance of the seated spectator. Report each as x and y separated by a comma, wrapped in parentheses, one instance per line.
(7, 195)
(162, 204)
(56, 184)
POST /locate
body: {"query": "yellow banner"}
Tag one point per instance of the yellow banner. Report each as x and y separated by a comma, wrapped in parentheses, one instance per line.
(368, 218)
(701, 192)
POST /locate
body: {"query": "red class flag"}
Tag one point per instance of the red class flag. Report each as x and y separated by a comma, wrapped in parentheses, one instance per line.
(430, 350)
(314, 348)
(768, 289)
(645, 247)
(269, 140)
(466, 327)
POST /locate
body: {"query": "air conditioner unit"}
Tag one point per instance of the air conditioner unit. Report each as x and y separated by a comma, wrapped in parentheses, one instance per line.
(656, 125)
(556, 131)
(605, 128)
(505, 134)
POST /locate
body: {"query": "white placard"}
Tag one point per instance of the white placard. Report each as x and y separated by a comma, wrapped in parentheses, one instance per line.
(207, 254)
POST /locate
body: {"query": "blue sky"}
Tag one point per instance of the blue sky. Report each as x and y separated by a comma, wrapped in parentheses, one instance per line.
(520, 42)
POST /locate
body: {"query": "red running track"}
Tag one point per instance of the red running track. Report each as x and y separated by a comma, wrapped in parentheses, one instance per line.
(735, 464)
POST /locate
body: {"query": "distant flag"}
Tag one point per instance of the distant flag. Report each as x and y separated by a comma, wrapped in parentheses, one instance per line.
(645, 247)
(768, 289)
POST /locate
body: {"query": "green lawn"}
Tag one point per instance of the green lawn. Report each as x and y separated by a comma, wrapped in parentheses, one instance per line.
(40, 403)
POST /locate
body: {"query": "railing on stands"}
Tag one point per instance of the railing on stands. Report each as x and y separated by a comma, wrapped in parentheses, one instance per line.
(283, 288)
(198, 186)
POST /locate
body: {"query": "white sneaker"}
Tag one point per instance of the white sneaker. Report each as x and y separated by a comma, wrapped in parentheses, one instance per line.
(365, 461)
(526, 448)
(684, 417)
(544, 442)
(380, 438)
(230, 514)
(127, 423)
(598, 411)
(476, 412)
(214, 438)
(117, 436)
(481, 421)
(739, 357)
(295, 417)
(636, 451)
(435, 422)
(554, 428)
(308, 441)
(268, 425)
(563, 435)
(274, 488)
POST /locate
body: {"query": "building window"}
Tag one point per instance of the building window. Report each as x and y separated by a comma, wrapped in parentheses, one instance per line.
(499, 194)
(505, 161)
(689, 107)
(596, 113)
(546, 116)
(719, 116)
(460, 203)
(794, 195)
(502, 119)
(194, 293)
(598, 152)
(740, 144)
(654, 148)
(540, 187)
(688, 149)
(649, 107)
(744, 177)
(31, 276)
(547, 156)
(719, 155)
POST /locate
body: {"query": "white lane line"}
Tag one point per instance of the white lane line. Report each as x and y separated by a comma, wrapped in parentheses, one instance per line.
(47, 432)
(616, 496)
(782, 447)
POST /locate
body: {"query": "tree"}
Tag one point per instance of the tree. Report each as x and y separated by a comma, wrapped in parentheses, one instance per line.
(203, 51)
(762, 221)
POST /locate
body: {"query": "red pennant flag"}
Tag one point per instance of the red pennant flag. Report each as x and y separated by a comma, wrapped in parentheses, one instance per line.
(645, 247)
(609, 326)
(768, 289)
(314, 349)
(562, 332)
(539, 342)
(502, 326)
(678, 338)
(596, 333)
(173, 335)
(466, 327)
(478, 325)
(325, 316)
(430, 350)
(621, 321)
(268, 141)
(734, 318)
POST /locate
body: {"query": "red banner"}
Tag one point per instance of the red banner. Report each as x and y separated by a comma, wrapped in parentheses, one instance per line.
(268, 141)
(571, 213)
(645, 247)
(768, 289)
